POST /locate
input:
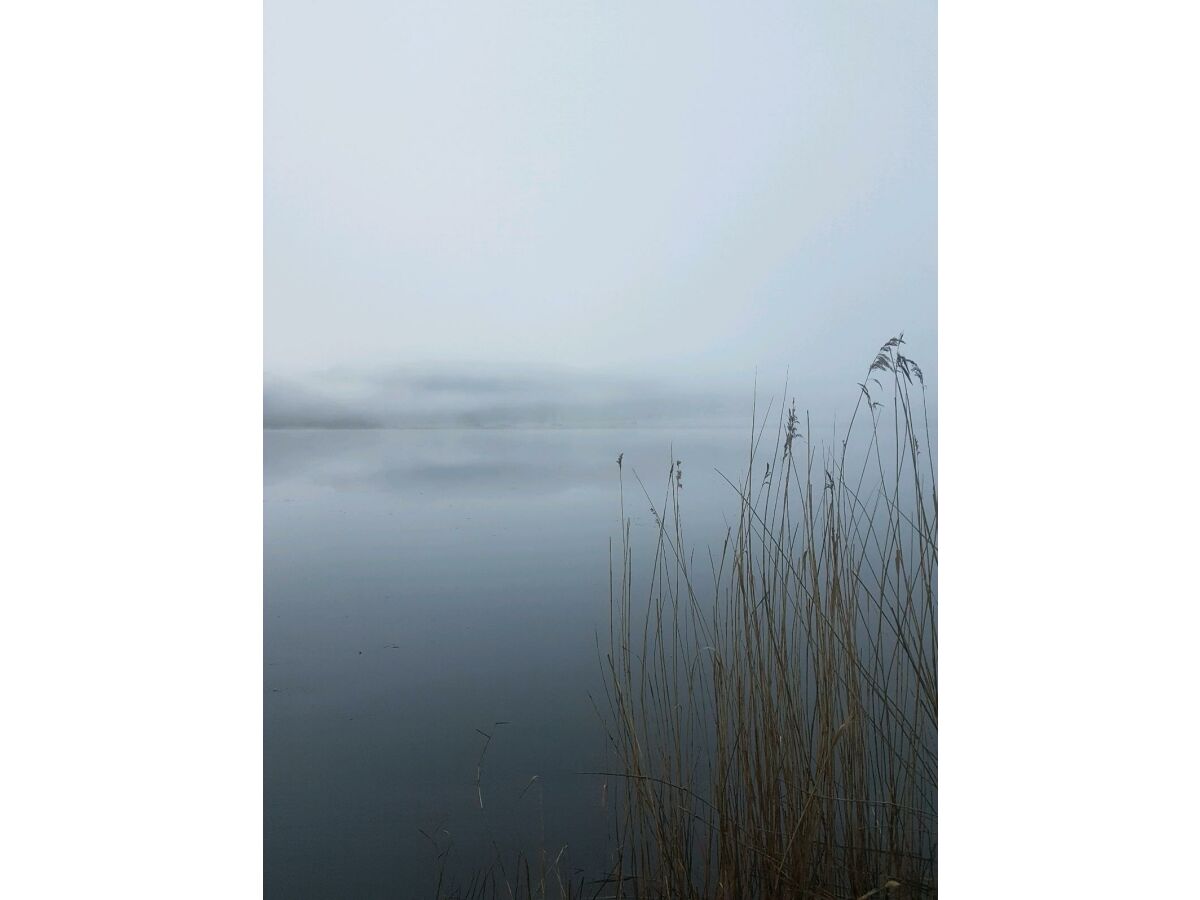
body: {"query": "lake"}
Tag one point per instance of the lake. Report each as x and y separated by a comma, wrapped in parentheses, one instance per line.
(423, 584)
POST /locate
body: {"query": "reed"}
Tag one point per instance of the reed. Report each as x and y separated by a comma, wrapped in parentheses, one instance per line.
(517, 877)
(773, 710)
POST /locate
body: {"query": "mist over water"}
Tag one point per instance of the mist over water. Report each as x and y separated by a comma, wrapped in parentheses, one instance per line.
(477, 397)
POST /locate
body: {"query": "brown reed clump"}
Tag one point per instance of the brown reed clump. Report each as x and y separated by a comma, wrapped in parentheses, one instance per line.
(774, 713)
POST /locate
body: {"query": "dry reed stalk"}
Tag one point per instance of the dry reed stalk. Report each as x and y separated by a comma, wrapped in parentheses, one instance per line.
(776, 726)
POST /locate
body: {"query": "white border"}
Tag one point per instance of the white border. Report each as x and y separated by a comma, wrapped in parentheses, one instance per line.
(1068, 244)
(131, 242)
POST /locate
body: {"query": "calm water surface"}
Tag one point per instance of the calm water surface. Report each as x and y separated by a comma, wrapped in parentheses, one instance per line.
(420, 585)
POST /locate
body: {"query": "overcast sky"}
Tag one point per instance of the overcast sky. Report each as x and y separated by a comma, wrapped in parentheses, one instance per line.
(643, 187)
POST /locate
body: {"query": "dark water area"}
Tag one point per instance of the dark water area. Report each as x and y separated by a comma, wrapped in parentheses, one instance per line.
(421, 585)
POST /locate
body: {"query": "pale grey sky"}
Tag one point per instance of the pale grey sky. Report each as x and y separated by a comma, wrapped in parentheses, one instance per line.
(643, 187)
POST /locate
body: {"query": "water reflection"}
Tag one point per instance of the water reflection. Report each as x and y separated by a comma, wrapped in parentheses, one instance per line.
(420, 585)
